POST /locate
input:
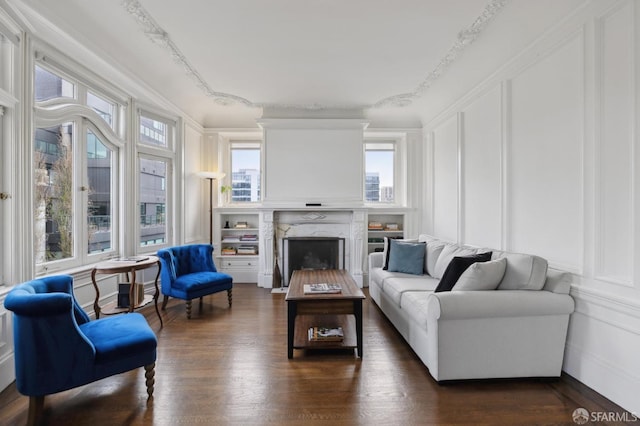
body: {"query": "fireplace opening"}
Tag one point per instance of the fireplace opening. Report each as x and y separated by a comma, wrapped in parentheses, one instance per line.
(311, 253)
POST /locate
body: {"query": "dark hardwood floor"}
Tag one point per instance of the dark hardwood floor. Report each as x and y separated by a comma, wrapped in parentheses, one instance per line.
(229, 366)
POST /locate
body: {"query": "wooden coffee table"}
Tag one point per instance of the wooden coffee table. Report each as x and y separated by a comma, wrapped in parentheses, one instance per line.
(342, 309)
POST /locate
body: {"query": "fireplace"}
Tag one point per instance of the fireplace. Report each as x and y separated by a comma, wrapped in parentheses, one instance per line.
(311, 253)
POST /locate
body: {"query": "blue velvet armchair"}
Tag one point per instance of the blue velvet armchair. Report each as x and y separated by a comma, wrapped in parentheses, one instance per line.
(188, 272)
(57, 346)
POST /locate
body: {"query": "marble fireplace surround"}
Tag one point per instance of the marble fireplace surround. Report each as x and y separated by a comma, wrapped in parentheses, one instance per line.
(276, 224)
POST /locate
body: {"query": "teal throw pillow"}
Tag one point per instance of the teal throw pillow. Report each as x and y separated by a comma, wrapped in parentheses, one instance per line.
(406, 257)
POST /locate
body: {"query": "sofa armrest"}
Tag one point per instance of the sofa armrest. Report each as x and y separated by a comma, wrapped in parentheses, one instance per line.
(376, 259)
(497, 304)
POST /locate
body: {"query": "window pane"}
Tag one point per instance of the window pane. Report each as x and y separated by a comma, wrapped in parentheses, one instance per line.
(379, 173)
(153, 132)
(245, 174)
(99, 210)
(153, 198)
(103, 107)
(51, 86)
(53, 215)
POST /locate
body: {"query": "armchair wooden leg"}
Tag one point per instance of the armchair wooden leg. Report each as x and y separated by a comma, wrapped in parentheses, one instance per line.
(229, 297)
(149, 374)
(201, 305)
(165, 299)
(188, 309)
(36, 404)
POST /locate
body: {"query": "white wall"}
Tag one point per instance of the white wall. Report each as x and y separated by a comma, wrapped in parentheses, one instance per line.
(541, 158)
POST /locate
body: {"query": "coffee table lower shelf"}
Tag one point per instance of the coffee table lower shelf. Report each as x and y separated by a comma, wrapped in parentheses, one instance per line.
(112, 309)
(304, 322)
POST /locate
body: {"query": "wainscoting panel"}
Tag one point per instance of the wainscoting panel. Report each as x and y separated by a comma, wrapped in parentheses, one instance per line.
(545, 170)
(570, 127)
(614, 146)
(445, 190)
(481, 146)
(194, 201)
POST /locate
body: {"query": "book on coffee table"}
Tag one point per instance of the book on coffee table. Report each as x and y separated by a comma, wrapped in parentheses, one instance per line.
(326, 334)
(322, 288)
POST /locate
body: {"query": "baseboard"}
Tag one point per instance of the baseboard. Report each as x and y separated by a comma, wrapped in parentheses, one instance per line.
(609, 380)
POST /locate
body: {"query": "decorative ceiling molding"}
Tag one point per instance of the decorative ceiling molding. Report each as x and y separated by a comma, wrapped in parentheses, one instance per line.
(161, 38)
(465, 38)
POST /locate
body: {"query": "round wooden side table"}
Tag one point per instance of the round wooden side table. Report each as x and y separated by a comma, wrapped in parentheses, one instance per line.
(127, 266)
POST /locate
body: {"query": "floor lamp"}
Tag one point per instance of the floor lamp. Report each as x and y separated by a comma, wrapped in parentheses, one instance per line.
(211, 176)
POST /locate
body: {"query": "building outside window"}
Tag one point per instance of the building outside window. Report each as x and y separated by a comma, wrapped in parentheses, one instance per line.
(245, 172)
(379, 171)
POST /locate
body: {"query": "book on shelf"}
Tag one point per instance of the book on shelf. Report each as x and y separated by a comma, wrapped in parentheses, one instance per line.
(391, 227)
(249, 237)
(375, 226)
(241, 225)
(230, 239)
(247, 250)
(326, 334)
(322, 288)
(228, 251)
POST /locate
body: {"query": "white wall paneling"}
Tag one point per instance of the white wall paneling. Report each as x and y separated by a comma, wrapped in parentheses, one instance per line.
(194, 203)
(545, 157)
(614, 145)
(482, 179)
(548, 149)
(445, 179)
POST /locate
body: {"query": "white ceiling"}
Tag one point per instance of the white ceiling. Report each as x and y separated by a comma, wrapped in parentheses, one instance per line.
(224, 63)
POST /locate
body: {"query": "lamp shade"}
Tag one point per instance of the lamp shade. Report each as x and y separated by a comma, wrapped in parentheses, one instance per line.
(211, 175)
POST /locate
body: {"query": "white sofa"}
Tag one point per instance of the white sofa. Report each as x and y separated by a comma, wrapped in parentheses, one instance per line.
(517, 330)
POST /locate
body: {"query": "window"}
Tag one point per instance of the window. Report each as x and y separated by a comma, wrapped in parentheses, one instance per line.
(153, 201)
(103, 107)
(155, 164)
(379, 171)
(154, 131)
(245, 172)
(74, 171)
(49, 85)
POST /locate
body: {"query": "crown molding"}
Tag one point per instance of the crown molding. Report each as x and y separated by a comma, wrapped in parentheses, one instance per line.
(465, 38)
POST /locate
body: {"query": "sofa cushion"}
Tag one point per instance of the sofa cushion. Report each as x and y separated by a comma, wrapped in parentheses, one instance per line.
(449, 252)
(394, 288)
(414, 304)
(434, 248)
(482, 276)
(456, 267)
(380, 276)
(406, 257)
(386, 250)
(523, 272)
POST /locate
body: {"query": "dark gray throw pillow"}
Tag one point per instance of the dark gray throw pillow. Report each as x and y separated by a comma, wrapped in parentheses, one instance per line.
(456, 267)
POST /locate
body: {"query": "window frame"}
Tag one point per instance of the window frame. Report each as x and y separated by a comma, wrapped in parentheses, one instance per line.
(399, 141)
(252, 144)
(156, 153)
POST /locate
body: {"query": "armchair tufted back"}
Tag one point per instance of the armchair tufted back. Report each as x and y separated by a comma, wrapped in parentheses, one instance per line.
(182, 260)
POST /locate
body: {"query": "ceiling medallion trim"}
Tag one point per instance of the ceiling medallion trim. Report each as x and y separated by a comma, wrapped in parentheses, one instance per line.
(465, 38)
(159, 37)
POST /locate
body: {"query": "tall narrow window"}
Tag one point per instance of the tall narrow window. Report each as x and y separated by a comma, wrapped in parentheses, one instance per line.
(245, 172)
(379, 172)
(54, 193)
(100, 196)
(153, 201)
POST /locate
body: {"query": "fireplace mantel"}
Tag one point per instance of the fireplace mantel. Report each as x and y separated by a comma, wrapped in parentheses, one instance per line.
(317, 221)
